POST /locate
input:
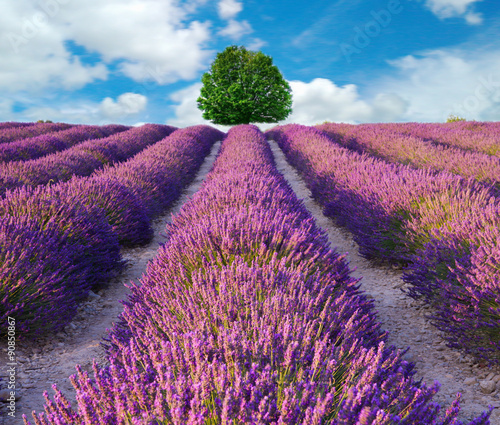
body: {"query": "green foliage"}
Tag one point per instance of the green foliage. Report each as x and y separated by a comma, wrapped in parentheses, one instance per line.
(42, 121)
(455, 118)
(244, 87)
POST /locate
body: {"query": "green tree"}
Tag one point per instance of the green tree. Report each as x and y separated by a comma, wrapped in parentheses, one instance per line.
(244, 87)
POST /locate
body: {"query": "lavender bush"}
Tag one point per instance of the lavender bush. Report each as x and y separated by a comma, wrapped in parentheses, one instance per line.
(35, 147)
(386, 142)
(83, 159)
(474, 136)
(12, 133)
(431, 222)
(81, 223)
(247, 316)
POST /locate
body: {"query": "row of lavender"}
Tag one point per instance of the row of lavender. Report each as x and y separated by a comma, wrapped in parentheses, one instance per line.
(59, 241)
(387, 142)
(12, 124)
(82, 159)
(247, 316)
(10, 133)
(35, 147)
(474, 136)
(444, 228)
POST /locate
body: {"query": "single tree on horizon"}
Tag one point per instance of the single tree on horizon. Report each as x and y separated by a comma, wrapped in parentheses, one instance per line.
(242, 87)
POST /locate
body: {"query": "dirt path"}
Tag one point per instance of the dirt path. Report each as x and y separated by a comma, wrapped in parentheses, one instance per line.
(52, 360)
(405, 321)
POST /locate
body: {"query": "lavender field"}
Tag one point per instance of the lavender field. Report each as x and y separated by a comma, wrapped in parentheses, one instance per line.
(247, 315)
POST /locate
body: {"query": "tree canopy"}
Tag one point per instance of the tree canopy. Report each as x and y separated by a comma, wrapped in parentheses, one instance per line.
(244, 87)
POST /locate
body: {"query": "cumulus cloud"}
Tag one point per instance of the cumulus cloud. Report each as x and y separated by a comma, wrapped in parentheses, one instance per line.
(148, 40)
(228, 9)
(452, 8)
(322, 100)
(33, 52)
(442, 82)
(126, 104)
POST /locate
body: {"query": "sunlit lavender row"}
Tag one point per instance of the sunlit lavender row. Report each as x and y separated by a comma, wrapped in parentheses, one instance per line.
(387, 142)
(82, 159)
(17, 132)
(475, 136)
(445, 229)
(35, 147)
(62, 240)
(247, 316)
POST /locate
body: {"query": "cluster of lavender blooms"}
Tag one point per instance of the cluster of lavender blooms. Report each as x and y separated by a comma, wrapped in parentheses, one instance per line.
(59, 241)
(35, 147)
(387, 142)
(474, 136)
(17, 132)
(246, 316)
(443, 228)
(82, 159)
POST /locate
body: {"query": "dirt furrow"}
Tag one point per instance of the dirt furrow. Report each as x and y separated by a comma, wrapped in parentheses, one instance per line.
(405, 319)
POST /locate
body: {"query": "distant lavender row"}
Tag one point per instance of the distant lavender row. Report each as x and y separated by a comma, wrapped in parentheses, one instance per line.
(247, 316)
(59, 241)
(12, 124)
(35, 147)
(386, 142)
(480, 137)
(82, 159)
(11, 134)
(445, 228)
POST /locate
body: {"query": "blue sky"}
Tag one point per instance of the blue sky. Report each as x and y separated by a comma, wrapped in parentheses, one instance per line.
(136, 61)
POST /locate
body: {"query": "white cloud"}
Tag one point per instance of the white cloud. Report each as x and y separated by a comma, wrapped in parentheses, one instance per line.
(322, 100)
(451, 8)
(228, 9)
(148, 39)
(314, 102)
(33, 52)
(126, 104)
(442, 82)
(235, 29)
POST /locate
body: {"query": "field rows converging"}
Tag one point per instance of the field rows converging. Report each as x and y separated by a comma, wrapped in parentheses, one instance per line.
(60, 241)
(406, 320)
(51, 359)
(442, 228)
(246, 315)
(388, 143)
(11, 133)
(474, 136)
(55, 141)
(82, 159)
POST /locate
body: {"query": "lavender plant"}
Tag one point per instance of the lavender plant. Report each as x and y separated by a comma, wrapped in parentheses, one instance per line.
(82, 159)
(250, 318)
(35, 147)
(17, 132)
(431, 222)
(82, 222)
(387, 142)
